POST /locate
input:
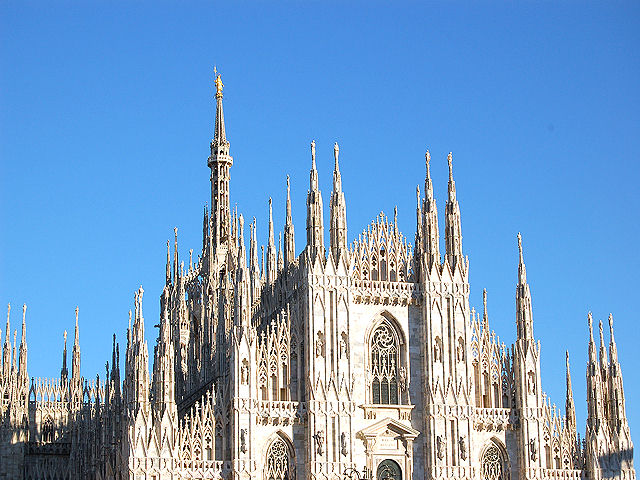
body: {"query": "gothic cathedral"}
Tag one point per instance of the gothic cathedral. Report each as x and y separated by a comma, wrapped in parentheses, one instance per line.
(336, 362)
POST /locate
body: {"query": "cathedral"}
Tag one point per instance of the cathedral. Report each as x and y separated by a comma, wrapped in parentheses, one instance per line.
(333, 361)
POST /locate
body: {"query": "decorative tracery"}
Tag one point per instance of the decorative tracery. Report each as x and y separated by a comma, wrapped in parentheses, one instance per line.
(278, 461)
(492, 464)
(381, 253)
(385, 353)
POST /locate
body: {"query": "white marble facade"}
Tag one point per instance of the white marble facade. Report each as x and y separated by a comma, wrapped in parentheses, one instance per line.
(275, 364)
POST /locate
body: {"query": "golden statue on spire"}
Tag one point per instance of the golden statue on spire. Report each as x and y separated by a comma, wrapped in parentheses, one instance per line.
(218, 82)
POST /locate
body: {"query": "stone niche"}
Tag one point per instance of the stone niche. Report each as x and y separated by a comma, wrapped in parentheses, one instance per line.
(388, 444)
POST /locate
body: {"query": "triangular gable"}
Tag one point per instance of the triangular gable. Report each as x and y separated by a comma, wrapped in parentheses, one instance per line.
(388, 424)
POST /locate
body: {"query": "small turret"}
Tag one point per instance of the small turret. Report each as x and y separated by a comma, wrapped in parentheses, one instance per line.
(280, 255)
(570, 408)
(168, 268)
(595, 388)
(485, 314)
(289, 236)
(176, 263)
(453, 228)
(617, 410)
(6, 351)
(163, 365)
(315, 229)
(75, 359)
(64, 373)
(254, 265)
(272, 266)
(338, 212)
(524, 315)
(22, 369)
(137, 368)
(430, 231)
(604, 362)
(205, 231)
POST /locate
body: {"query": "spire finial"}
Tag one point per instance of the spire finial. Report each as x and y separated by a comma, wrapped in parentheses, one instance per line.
(590, 322)
(603, 348)
(522, 271)
(450, 161)
(336, 152)
(77, 333)
(218, 82)
(288, 206)
(520, 246)
(484, 303)
(611, 328)
(313, 154)
(24, 323)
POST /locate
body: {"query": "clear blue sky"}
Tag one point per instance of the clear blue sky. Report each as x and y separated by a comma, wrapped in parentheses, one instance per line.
(107, 111)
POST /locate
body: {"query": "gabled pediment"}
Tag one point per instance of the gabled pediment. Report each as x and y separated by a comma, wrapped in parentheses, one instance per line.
(388, 426)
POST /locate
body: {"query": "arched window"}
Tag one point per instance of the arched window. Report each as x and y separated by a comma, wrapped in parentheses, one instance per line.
(389, 470)
(492, 464)
(277, 466)
(48, 430)
(385, 356)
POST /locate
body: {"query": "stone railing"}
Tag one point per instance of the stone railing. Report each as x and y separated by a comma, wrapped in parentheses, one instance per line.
(559, 474)
(494, 419)
(385, 293)
(280, 412)
(53, 448)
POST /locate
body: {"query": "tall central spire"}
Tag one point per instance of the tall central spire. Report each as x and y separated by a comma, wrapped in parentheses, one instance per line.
(220, 162)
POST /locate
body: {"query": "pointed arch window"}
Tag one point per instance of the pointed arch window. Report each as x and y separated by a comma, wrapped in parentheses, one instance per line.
(492, 465)
(385, 355)
(48, 431)
(278, 462)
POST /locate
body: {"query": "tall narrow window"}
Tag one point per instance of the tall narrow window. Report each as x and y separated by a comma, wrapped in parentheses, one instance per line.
(48, 430)
(384, 365)
(277, 464)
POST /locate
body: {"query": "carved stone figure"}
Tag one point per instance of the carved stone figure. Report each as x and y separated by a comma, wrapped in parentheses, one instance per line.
(320, 345)
(439, 447)
(344, 448)
(462, 443)
(244, 372)
(319, 438)
(243, 440)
